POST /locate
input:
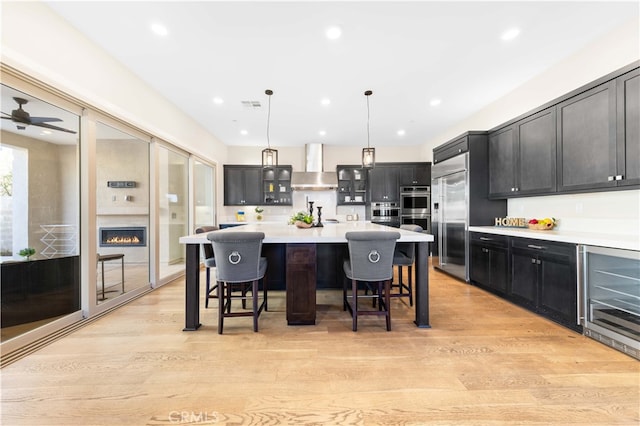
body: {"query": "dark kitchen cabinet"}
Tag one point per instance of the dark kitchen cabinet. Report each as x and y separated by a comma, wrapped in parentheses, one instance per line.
(501, 163)
(352, 185)
(522, 157)
(587, 140)
(628, 132)
(450, 149)
(301, 284)
(383, 183)
(489, 262)
(242, 185)
(543, 279)
(276, 185)
(415, 174)
(598, 136)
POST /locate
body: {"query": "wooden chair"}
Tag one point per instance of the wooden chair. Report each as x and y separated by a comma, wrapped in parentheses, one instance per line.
(209, 262)
(238, 265)
(405, 255)
(370, 263)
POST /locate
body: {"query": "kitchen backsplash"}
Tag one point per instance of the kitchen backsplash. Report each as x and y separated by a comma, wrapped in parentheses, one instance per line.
(325, 199)
(616, 212)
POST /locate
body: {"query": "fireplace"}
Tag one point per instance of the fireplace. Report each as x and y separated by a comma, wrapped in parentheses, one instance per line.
(132, 236)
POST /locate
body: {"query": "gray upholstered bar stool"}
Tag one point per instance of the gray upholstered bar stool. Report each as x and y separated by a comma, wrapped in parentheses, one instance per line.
(238, 266)
(370, 263)
(405, 255)
(209, 262)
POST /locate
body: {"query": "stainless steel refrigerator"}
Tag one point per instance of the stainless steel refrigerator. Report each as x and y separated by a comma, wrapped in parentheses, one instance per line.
(459, 190)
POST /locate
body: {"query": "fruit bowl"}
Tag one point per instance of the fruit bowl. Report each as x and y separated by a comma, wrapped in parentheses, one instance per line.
(546, 224)
(541, 226)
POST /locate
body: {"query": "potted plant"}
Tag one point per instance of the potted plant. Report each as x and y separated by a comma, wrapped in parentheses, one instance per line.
(259, 211)
(27, 252)
(302, 220)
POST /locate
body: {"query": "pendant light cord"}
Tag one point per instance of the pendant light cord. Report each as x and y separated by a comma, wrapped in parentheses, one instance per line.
(269, 93)
(368, 133)
(367, 94)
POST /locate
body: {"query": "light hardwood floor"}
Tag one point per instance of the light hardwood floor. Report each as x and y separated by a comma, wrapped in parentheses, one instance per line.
(483, 362)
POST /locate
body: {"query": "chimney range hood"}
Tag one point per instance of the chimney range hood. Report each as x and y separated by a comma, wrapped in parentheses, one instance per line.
(314, 178)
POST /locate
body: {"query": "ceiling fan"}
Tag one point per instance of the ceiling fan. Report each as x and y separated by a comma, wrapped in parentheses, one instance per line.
(23, 119)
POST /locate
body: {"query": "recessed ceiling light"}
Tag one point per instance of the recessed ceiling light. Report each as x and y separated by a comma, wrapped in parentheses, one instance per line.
(435, 102)
(333, 33)
(159, 29)
(325, 101)
(401, 132)
(322, 133)
(218, 101)
(244, 132)
(510, 34)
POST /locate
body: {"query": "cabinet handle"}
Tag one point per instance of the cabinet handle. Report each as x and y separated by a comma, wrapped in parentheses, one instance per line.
(513, 190)
(536, 247)
(533, 261)
(538, 261)
(611, 178)
(619, 177)
(486, 239)
(484, 250)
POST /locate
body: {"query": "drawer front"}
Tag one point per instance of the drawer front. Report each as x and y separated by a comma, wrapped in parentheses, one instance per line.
(498, 241)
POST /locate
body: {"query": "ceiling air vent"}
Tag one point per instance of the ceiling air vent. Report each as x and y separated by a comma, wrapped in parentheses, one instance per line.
(251, 104)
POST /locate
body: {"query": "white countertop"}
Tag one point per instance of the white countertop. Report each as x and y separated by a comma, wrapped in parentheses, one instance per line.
(628, 242)
(329, 233)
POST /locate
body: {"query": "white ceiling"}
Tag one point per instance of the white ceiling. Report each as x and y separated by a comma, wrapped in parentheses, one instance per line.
(408, 53)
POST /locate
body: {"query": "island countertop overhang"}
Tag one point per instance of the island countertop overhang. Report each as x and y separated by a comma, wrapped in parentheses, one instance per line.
(329, 233)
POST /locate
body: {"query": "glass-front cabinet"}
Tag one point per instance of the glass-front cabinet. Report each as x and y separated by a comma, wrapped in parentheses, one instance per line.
(352, 185)
(276, 185)
(612, 286)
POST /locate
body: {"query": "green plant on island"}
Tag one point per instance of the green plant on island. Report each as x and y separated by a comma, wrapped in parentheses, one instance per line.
(302, 217)
(27, 252)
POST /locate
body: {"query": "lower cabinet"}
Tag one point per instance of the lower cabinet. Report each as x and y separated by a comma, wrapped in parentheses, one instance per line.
(535, 274)
(489, 263)
(544, 279)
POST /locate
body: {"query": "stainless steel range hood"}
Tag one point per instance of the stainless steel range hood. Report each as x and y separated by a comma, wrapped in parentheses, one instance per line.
(314, 178)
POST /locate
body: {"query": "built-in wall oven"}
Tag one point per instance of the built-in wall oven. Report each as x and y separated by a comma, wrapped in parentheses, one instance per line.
(415, 206)
(386, 213)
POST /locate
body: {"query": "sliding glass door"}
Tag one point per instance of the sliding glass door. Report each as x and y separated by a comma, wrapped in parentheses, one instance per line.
(122, 212)
(39, 202)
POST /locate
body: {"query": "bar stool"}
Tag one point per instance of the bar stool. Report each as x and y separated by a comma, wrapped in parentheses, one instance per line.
(405, 255)
(370, 262)
(238, 266)
(106, 258)
(209, 262)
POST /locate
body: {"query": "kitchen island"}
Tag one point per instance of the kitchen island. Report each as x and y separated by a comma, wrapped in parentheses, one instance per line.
(297, 248)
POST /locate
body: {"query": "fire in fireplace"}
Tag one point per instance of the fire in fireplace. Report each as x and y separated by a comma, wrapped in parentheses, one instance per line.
(123, 237)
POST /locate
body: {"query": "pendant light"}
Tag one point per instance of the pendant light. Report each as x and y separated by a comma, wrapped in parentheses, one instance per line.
(368, 153)
(269, 156)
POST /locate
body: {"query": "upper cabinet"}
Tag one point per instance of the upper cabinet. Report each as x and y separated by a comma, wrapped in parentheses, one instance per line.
(628, 128)
(450, 149)
(588, 140)
(242, 185)
(276, 185)
(352, 185)
(383, 183)
(415, 174)
(522, 157)
(599, 141)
